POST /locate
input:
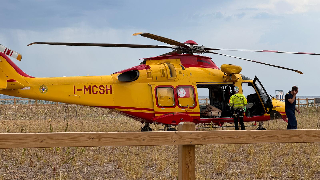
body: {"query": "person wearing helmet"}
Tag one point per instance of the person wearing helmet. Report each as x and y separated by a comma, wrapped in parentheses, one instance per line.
(238, 103)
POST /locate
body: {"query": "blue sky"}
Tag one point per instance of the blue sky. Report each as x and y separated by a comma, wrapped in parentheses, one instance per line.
(284, 25)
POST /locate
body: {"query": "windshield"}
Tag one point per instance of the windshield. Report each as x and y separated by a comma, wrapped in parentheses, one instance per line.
(263, 93)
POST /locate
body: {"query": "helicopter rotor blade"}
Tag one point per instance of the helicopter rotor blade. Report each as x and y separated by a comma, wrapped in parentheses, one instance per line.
(101, 45)
(171, 53)
(272, 51)
(161, 39)
(250, 60)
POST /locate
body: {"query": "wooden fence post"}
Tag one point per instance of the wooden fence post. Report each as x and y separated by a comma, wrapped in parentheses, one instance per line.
(186, 155)
(307, 102)
(298, 103)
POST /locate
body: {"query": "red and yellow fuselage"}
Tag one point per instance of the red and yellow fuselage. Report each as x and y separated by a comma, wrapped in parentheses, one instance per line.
(162, 89)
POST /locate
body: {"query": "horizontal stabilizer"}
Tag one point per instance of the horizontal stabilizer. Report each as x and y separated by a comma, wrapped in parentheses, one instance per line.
(14, 85)
(6, 83)
(10, 84)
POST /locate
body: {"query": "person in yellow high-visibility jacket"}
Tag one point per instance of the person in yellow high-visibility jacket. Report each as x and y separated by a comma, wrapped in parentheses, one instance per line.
(238, 103)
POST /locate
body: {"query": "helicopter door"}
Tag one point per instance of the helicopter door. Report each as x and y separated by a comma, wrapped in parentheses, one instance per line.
(258, 99)
(186, 96)
(165, 96)
(164, 99)
(267, 102)
(169, 99)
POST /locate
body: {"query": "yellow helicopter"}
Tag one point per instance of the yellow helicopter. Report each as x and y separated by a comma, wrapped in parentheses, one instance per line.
(162, 90)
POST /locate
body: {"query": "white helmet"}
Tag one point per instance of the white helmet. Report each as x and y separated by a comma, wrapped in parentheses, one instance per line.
(236, 89)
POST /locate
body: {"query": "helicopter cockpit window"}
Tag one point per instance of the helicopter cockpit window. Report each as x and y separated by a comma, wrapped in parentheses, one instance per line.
(247, 89)
(262, 92)
(186, 96)
(165, 96)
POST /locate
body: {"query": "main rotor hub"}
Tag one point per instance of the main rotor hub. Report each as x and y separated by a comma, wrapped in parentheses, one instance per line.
(190, 49)
(191, 42)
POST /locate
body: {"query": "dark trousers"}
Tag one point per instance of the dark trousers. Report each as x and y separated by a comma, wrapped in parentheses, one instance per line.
(292, 121)
(238, 117)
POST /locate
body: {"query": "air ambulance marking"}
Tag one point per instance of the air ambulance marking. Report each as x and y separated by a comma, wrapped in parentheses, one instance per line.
(94, 89)
(43, 88)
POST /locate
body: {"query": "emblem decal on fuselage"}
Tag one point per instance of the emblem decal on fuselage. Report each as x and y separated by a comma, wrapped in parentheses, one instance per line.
(43, 88)
(181, 92)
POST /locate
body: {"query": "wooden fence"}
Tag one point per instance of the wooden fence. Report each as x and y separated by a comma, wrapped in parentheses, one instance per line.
(186, 138)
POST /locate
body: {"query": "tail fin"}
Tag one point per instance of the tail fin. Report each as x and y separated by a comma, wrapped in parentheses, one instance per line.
(11, 76)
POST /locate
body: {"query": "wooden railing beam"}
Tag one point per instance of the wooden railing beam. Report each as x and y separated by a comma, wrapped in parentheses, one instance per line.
(94, 139)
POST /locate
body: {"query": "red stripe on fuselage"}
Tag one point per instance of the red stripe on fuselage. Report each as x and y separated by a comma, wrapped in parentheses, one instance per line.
(121, 107)
(177, 112)
(142, 115)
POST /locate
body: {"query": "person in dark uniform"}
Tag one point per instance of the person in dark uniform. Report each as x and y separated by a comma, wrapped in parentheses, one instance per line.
(290, 102)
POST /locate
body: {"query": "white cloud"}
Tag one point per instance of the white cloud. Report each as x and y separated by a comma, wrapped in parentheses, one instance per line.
(289, 6)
